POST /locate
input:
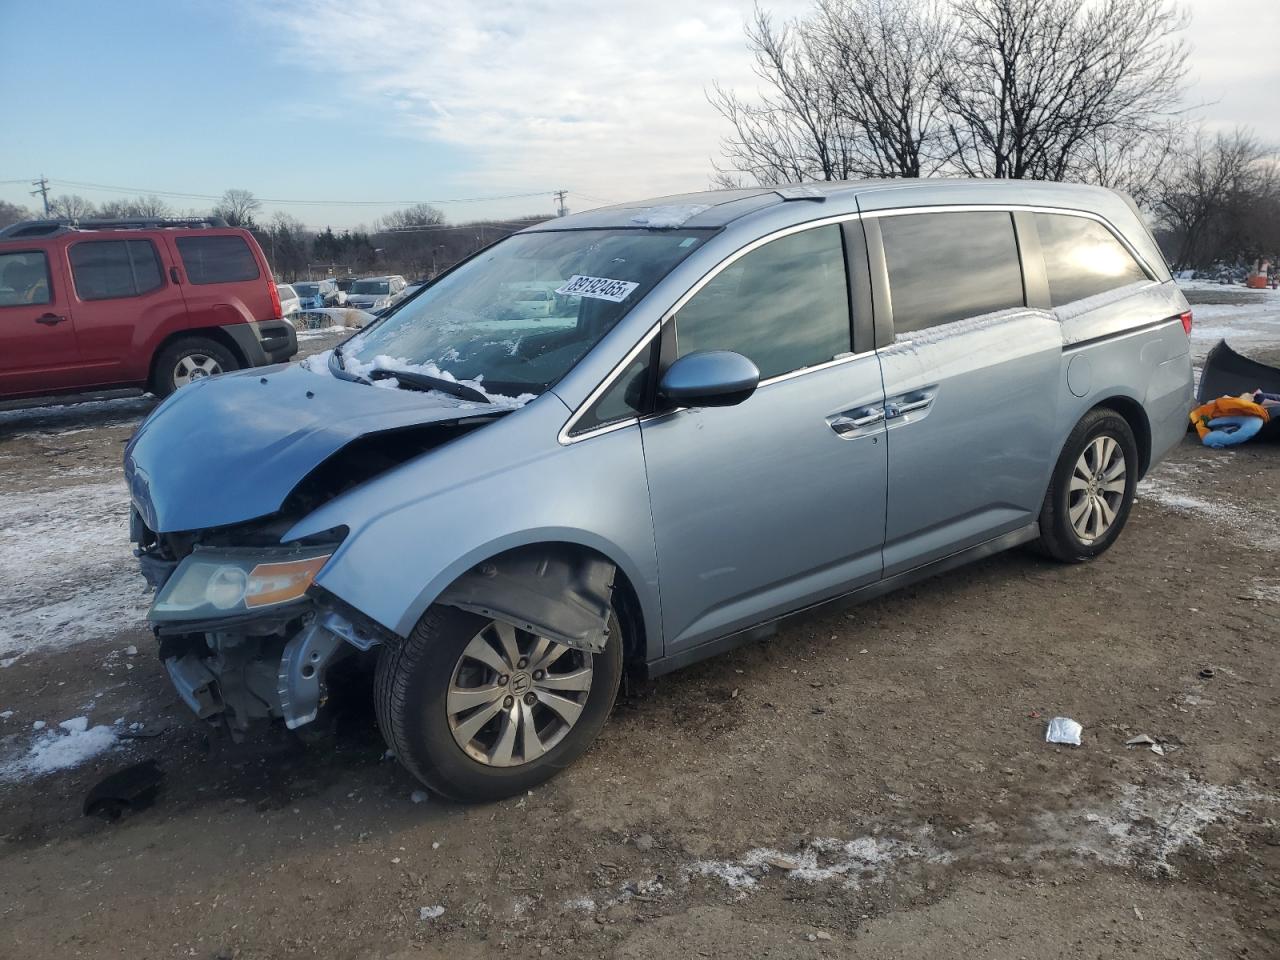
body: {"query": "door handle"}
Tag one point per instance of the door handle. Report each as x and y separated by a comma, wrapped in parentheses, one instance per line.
(896, 408)
(845, 424)
(49, 319)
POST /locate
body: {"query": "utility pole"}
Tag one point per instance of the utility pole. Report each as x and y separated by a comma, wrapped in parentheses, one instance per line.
(42, 188)
(561, 209)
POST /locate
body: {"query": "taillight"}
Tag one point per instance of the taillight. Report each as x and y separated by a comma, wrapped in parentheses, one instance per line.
(1186, 322)
(277, 311)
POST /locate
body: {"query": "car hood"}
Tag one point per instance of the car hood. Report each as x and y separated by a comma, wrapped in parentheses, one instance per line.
(232, 448)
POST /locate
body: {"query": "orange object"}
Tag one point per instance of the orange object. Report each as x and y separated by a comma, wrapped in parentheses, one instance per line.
(1256, 282)
(1225, 407)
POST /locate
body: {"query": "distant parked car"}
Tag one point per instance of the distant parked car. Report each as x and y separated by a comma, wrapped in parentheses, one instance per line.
(344, 283)
(290, 303)
(318, 294)
(152, 303)
(375, 293)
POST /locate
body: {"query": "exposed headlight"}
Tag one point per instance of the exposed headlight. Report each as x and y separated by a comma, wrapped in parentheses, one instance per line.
(219, 583)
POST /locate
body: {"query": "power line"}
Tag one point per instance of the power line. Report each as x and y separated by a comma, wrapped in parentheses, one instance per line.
(372, 203)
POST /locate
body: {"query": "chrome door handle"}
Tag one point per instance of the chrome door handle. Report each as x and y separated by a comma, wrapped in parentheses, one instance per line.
(845, 424)
(898, 409)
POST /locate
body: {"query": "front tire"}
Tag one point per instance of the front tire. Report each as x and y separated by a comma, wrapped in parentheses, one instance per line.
(479, 710)
(1092, 488)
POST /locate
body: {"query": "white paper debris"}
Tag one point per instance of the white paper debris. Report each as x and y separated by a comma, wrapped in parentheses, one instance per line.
(1063, 730)
(430, 913)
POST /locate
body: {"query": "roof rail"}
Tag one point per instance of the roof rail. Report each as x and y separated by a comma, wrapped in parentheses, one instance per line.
(50, 228)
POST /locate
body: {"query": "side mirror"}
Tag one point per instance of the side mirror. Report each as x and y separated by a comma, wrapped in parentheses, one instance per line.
(709, 378)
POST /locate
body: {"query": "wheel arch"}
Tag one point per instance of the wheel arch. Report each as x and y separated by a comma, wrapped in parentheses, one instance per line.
(638, 624)
(1134, 415)
(216, 334)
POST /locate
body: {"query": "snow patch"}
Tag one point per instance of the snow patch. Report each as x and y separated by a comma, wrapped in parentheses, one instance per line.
(53, 751)
(855, 863)
(903, 342)
(1166, 485)
(669, 216)
(319, 363)
(430, 913)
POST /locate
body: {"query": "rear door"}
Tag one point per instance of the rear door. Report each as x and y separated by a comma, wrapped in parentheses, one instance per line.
(124, 305)
(224, 277)
(38, 351)
(778, 502)
(970, 378)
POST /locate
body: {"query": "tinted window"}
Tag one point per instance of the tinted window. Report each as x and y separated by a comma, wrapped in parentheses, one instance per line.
(217, 259)
(784, 306)
(1082, 258)
(948, 266)
(109, 269)
(623, 400)
(24, 278)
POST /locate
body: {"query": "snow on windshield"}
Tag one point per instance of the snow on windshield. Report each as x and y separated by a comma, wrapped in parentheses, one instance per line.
(319, 363)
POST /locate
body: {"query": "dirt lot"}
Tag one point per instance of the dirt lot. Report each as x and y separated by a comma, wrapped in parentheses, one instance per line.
(872, 782)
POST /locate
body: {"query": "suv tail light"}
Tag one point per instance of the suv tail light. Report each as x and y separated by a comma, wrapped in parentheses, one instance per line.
(1186, 322)
(277, 311)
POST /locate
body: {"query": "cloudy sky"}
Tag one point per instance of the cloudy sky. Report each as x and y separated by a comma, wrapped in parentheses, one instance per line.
(355, 100)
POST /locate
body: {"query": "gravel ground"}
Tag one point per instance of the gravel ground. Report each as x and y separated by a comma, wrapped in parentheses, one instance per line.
(872, 782)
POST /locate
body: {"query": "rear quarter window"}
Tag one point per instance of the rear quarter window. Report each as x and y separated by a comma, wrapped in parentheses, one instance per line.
(217, 259)
(950, 266)
(1082, 258)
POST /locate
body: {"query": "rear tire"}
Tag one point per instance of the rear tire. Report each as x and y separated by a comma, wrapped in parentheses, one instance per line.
(188, 359)
(1092, 489)
(426, 685)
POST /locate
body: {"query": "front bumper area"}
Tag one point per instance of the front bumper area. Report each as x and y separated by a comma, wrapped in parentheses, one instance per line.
(247, 675)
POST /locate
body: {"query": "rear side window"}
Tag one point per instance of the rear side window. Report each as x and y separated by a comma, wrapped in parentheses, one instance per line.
(949, 266)
(217, 259)
(1082, 258)
(111, 269)
(24, 279)
(784, 306)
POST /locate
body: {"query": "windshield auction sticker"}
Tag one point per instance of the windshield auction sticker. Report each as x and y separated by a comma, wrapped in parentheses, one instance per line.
(598, 288)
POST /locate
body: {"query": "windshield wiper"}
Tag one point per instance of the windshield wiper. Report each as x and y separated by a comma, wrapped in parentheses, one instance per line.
(339, 369)
(424, 381)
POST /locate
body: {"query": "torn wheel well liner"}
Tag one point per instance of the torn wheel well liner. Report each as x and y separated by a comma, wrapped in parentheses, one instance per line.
(558, 591)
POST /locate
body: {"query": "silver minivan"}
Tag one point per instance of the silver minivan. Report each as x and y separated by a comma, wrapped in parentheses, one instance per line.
(738, 405)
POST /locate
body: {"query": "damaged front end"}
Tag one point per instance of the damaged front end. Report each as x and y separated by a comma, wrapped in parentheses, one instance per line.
(244, 635)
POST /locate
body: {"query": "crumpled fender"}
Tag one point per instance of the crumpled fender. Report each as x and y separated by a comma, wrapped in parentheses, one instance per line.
(558, 593)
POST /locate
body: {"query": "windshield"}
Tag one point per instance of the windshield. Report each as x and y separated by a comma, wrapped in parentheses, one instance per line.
(369, 286)
(307, 289)
(520, 315)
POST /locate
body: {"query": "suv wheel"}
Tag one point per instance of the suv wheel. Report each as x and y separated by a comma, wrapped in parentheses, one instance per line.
(479, 710)
(190, 359)
(1092, 489)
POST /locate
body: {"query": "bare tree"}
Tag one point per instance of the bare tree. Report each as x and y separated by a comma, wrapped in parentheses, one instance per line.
(71, 207)
(418, 215)
(797, 130)
(12, 213)
(886, 60)
(1034, 88)
(1210, 198)
(149, 206)
(237, 207)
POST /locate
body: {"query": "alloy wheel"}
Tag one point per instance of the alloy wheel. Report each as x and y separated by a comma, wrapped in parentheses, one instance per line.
(194, 366)
(1097, 488)
(514, 695)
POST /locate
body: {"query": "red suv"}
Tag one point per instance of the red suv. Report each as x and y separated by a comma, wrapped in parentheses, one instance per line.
(133, 303)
